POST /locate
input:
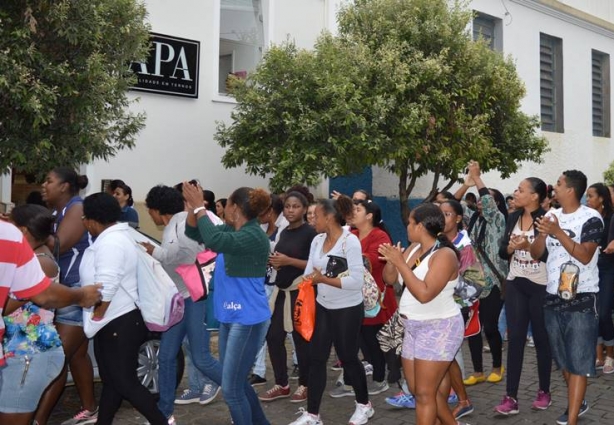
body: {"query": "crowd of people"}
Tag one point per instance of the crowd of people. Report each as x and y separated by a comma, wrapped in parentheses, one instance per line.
(540, 259)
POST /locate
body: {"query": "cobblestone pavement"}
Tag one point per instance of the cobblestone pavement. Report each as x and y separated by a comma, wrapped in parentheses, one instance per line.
(338, 411)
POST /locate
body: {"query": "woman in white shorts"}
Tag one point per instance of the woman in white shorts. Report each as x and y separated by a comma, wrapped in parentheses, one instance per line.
(433, 322)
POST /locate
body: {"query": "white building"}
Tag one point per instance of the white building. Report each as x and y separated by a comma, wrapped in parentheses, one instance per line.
(576, 40)
(568, 85)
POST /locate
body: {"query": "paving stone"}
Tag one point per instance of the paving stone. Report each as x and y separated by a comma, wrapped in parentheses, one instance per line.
(338, 411)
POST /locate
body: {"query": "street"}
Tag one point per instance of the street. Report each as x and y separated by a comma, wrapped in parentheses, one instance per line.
(338, 411)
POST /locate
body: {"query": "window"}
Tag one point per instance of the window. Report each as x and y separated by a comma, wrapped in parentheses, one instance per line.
(601, 93)
(490, 29)
(551, 82)
(241, 38)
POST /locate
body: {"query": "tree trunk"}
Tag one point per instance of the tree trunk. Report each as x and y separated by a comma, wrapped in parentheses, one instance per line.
(406, 188)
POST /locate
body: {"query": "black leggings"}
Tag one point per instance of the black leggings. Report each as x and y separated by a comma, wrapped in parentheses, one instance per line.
(340, 327)
(524, 304)
(117, 348)
(490, 308)
(276, 343)
(372, 351)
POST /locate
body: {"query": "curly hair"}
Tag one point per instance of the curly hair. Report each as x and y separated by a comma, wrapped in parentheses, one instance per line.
(165, 200)
(251, 202)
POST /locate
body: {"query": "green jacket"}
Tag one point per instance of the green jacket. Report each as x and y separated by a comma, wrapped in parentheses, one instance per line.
(246, 251)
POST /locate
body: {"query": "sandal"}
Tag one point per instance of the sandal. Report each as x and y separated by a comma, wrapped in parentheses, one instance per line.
(608, 366)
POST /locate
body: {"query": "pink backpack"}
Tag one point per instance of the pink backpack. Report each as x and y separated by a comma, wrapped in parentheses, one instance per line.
(197, 276)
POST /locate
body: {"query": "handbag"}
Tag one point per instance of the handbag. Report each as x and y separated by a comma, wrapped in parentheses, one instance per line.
(336, 265)
(197, 276)
(473, 325)
(390, 336)
(372, 297)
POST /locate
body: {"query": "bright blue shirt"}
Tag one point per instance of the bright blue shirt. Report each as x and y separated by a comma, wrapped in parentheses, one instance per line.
(239, 299)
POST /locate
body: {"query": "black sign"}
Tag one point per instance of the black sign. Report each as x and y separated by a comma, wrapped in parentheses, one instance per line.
(172, 67)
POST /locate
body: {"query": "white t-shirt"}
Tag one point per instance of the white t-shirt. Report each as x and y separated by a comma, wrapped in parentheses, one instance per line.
(522, 264)
(583, 225)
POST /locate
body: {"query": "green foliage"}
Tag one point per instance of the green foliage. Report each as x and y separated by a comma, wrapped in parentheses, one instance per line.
(608, 175)
(64, 74)
(403, 86)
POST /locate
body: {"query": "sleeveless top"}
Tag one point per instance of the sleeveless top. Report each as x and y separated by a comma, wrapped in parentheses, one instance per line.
(442, 306)
(71, 259)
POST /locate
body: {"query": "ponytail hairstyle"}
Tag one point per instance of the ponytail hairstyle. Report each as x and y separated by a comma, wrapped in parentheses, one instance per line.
(458, 210)
(68, 175)
(433, 221)
(341, 208)
(538, 186)
(127, 191)
(376, 212)
(251, 202)
(37, 219)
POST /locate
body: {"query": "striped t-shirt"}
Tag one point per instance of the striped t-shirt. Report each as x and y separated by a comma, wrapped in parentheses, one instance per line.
(20, 271)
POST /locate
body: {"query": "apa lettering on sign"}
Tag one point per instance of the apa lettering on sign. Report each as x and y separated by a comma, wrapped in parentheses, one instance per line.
(165, 53)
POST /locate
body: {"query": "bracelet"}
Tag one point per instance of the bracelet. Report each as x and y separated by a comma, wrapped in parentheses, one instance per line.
(199, 209)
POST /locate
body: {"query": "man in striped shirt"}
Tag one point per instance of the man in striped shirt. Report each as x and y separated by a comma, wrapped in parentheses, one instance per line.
(22, 277)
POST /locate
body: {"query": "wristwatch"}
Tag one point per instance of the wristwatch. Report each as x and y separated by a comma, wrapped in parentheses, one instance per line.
(199, 209)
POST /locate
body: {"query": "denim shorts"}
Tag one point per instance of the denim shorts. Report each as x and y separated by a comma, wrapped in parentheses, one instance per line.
(433, 340)
(16, 397)
(573, 338)
(73, 314)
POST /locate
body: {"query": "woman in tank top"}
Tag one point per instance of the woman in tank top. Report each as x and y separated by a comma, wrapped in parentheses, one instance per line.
(433, 323)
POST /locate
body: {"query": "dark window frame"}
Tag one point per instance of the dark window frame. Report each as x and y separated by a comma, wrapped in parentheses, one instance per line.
(600, 92)
(552, 105)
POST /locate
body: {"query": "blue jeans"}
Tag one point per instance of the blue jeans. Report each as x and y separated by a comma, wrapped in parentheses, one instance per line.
(238, 346)
(196, 379)
(193, 325)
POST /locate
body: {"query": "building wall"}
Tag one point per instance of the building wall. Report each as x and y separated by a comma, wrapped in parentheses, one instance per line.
(576, 148)
(177, 142)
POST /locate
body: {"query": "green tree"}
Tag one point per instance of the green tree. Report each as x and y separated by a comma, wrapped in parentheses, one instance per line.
(64, 74)
(608, 175)
(403, 86)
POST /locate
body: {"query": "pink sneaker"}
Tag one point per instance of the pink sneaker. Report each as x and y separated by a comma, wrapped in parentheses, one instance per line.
(542, 401)
(508, 406)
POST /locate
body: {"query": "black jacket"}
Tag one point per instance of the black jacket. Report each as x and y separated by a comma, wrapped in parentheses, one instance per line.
(509, 227)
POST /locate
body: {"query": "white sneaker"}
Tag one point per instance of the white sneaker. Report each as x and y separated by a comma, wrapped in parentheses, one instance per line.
(368, 368)
(307, 418)
(362, 414)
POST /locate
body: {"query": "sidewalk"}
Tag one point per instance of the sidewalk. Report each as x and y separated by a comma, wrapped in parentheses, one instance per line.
(338, 411)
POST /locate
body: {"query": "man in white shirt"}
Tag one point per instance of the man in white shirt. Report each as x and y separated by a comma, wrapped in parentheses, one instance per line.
(571, 236)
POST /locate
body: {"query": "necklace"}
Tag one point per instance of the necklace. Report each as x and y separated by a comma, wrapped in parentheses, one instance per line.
(529, 228)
